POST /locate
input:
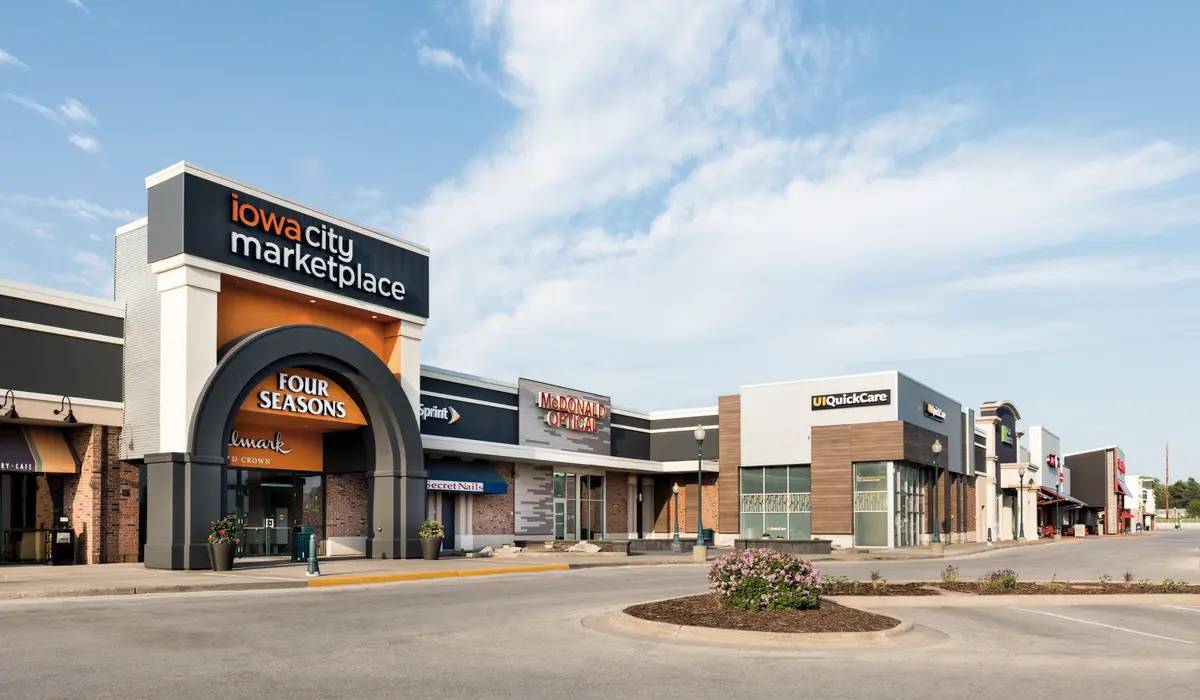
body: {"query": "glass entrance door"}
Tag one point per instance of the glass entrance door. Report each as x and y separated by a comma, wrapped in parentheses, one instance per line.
(266, 504)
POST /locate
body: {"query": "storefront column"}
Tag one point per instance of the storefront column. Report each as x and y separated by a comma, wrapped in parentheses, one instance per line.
(397, 511)
(404, 340)
(187, 346)
(183, 496)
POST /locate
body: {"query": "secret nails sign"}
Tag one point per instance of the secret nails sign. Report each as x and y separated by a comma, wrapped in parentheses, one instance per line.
(191, 213)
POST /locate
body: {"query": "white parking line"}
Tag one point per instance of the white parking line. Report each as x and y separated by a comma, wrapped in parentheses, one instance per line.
(1182, 607)
(1101, 624)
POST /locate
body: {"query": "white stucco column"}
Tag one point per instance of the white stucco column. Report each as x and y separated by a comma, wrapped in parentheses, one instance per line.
(410, 363)
(187, 347)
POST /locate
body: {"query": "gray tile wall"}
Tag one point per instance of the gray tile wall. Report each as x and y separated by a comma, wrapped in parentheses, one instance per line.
(533, 488)
(532, 429)
(135, 285)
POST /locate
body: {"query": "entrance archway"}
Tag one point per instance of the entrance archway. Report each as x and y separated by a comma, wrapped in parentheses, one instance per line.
(184, 490)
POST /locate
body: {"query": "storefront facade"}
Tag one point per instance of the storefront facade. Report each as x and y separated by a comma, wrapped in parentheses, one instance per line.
(848, 459)
(1098, 481)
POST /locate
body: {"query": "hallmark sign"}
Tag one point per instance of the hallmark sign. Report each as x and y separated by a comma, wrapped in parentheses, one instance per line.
(563, 419)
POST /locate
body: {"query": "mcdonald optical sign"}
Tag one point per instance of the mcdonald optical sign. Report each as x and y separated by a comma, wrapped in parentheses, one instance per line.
(852, 399)
(571, 412)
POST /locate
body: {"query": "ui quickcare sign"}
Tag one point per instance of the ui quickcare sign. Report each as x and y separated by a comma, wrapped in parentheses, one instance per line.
(852, 399)
(191, 214)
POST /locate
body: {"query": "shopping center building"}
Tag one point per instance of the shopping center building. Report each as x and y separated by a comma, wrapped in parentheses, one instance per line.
(263, 359)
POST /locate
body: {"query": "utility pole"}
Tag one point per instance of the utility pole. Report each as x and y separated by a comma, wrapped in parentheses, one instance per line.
(1167, 487)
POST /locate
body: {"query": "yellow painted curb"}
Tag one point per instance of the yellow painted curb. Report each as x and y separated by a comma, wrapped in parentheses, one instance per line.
(426, 575)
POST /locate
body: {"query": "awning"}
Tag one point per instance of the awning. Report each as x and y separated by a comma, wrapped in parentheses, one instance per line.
(445, 475)
(35, 449)
(1122, 488)
(1126, 515)
(1047, 497)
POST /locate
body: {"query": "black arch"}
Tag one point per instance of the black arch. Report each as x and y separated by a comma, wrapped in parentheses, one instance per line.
(187, 494)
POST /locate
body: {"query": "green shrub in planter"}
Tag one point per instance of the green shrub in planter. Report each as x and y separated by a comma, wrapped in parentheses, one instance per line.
(766, 579)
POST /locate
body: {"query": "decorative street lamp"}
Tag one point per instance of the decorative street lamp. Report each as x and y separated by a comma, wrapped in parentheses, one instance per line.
(937, 468)
(698, 433)
(676, 545)
(1021, 500)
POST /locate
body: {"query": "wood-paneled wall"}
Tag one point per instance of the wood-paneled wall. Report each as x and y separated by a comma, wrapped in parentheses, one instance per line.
(729, 457)
(835, 449)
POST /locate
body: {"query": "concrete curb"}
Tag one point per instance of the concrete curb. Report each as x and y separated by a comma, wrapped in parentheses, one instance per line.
(427, 575)
(146, 590)
(621, 624)
(271, 585)
(873, 603)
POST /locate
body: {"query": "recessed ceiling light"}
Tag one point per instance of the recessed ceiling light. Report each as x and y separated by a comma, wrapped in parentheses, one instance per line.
(374, 316)
(312, 301)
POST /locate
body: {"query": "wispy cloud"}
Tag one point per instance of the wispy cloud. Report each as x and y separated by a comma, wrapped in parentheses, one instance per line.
(1082, 274)
(435, 57)
(8, 59)
(741, 220)
(33, 106)
(76, 111)
(76, 207)
(312, 165)
(79, 4)
(89, 272)
(84, 143)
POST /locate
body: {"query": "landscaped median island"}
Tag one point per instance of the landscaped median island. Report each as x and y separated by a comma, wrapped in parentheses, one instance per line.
(763, 590)
(1002, 582)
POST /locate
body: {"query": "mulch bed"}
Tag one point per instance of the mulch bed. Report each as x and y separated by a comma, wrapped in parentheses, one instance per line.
(1029, 588)
(708, 610)
(882, 589)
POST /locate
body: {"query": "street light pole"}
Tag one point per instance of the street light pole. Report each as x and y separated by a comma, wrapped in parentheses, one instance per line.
(698, 433)
(676, 544)
(1020, 501)
(937, 468)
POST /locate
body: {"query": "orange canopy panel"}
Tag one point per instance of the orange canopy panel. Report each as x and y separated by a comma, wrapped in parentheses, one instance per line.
(36, 449)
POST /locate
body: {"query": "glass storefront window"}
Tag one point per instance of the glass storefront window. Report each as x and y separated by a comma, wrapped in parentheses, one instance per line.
(771, 505)
(871, 504)
(799, 479)
(775, 480)
(800, 526)
(752, 480)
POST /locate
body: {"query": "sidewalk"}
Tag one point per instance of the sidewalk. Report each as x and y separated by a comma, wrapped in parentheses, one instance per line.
(18, 582)
(37, 581)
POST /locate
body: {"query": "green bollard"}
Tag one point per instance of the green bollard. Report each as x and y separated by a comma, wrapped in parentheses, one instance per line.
(313, 568)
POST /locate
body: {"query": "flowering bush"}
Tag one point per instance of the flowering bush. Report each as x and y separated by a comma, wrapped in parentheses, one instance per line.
(432, 529)
(224, 531)
(766, 579)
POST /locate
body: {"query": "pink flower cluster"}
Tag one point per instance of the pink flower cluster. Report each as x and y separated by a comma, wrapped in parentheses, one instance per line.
(766, 579)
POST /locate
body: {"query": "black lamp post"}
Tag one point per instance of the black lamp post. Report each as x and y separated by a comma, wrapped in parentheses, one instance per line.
(9, 400)
(70, 417)
(698, 433)
(676, 545)
(937, 468)
(1021, 501)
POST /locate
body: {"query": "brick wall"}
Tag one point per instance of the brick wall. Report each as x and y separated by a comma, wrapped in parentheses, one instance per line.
(88, 502)
(346, 505)
(972, 508)
(45, 502)
(492, 514)
(119, 520)
(616, 505)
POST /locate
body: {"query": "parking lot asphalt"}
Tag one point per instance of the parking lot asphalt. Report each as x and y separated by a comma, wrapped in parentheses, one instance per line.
(1154, 557)
(522, 637)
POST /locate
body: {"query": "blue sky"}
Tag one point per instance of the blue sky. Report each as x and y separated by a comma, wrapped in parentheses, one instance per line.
(662, 201)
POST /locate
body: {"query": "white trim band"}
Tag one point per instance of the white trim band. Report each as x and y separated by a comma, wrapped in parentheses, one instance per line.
(463, 398)
(55, 330)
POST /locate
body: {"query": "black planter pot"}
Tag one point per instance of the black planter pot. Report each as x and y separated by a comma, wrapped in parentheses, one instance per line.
(220, 554)
(431, 548)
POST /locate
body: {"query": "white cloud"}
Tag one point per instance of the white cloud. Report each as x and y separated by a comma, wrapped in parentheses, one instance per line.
(368, 194)
(86, 143)
(79, 4)
(11, 60)
(88, 272)
(76, 207)
(429, 56)
(755, 246)
(76, 111)
(1082, 273)
(33, 106)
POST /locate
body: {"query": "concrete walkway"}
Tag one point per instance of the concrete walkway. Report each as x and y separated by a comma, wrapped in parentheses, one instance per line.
(39, 581)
